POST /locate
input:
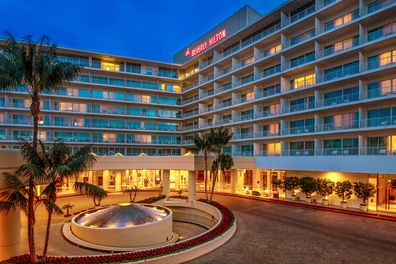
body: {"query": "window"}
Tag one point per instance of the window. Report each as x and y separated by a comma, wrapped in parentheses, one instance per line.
(302, 37)
(382, 59)
(302, 59)
(381, 88)
(302, 148)
(341, 96)
(346, 146)
(272, 149)
(271, 130)
(342, 71)
(303, 81)
(302, 126)
(342, 20)
(342, 45)
(302, 104)
(382, 31)
(341, 121)
(110, 66)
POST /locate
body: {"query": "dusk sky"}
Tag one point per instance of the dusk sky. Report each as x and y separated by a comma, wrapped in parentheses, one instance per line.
(151, 29)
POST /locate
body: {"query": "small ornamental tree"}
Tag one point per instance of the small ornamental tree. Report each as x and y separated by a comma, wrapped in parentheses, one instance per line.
(132, 191)
(291, 184)
(364, 191)
(344, 190)
(67, 207)
(324, 188)
(278, 184)
(307, 186)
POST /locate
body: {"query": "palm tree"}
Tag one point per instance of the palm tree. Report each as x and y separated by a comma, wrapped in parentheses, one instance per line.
(203, 143)
(35, 66)
(220, 138)
(61, 165)
(91, 190)
(68, 207)
(131, 191)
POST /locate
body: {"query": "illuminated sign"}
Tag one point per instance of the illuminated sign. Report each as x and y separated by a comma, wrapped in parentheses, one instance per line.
(204, 45)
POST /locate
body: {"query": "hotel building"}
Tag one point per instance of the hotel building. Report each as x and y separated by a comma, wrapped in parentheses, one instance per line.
(308, 89)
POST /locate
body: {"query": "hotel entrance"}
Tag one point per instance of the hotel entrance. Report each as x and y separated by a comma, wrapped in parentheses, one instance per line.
(386, 196)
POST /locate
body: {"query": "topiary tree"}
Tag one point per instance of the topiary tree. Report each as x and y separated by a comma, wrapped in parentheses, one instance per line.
(344, 190)
(324, 188)
(364, 191)
(291, 184)
(307, 186)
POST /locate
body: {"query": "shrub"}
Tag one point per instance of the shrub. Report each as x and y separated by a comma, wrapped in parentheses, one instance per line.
(344, 190)
(307, 185)
(291, 184)
(153, 199)
(324, 187)
(364, 191)
(256, 193)
(277, 183)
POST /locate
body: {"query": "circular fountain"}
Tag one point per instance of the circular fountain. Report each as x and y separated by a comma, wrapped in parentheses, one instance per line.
(124, 225)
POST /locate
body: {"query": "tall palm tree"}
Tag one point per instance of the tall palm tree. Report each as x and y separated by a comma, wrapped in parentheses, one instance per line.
(220, 137)
(61, 165)
(33, 64)
(203, 144)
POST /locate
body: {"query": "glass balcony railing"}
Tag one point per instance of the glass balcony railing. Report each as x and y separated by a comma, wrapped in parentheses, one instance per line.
(303, 13)
(376, 5)
(341, 99)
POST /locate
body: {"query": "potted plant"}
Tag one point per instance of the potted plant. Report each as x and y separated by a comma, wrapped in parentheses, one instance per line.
(344, 191)
(324, 188)
(364, 191)
(277, 183)
(292, 184)
(68, 207)
(307, 186)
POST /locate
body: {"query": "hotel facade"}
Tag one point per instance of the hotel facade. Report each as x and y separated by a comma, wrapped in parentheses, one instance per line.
(308, 89)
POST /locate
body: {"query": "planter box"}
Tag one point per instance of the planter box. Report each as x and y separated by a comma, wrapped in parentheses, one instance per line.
(325, 202)
(363, 207)
(308, 199)
(344, 205)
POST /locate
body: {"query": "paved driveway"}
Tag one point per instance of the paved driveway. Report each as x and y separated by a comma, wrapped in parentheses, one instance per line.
(273, 233)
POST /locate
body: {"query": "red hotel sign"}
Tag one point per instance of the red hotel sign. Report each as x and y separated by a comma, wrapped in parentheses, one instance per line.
(208, 43)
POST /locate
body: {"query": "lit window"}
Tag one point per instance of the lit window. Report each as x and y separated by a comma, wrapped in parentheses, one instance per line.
(338, 46)
(348, 18)
(348, 43)
(145, 98)
(250, 96)
(109, 66)
(274, 109)
(42, 135)
(273, 149)
(304, 81)
(385, 87)
(338, 22)
(385, 58)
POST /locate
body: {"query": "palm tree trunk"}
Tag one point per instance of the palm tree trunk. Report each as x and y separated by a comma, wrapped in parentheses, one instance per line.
(35, 110)
(206, 175)
(47, 233)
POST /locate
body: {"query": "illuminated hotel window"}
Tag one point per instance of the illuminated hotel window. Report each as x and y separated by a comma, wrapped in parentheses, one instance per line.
(1, 117)
(108, 137)
(110, 66)
(303, 81)
(273, 149)
(342, 20)
(275, 49)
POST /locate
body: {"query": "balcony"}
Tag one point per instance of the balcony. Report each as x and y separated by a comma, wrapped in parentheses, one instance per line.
(376, 5)
(303, 13)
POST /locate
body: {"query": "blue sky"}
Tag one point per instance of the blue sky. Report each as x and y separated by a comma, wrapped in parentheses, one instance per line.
(149, 29)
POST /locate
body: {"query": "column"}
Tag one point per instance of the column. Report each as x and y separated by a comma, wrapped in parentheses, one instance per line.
(192, 189)
(318, 99)
(118, 181)
(362, 34)
(285, 85)
(318, 26)
(318, 145)
(233, 181)
(362, 117)
(284, 19)
(362, 62)
(284, 63)
(362, 90)
(106, 179)
(284, 41)
(165, 182)
(362, 144)
(284, 127)
(283, 148)
(318, 75)
(10, 234)
(318, 50)
(362, 7)
(256, 180)
(318, 123)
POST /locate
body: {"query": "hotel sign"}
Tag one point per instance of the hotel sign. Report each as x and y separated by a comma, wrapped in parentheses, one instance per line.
(206, 44)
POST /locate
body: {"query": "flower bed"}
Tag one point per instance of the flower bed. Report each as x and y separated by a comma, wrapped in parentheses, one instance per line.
(226, 223)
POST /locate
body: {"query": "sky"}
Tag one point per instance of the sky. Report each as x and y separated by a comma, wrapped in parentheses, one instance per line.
(148, 29)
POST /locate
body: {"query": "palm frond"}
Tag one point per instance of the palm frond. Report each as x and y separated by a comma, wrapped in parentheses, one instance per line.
(90, 190)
